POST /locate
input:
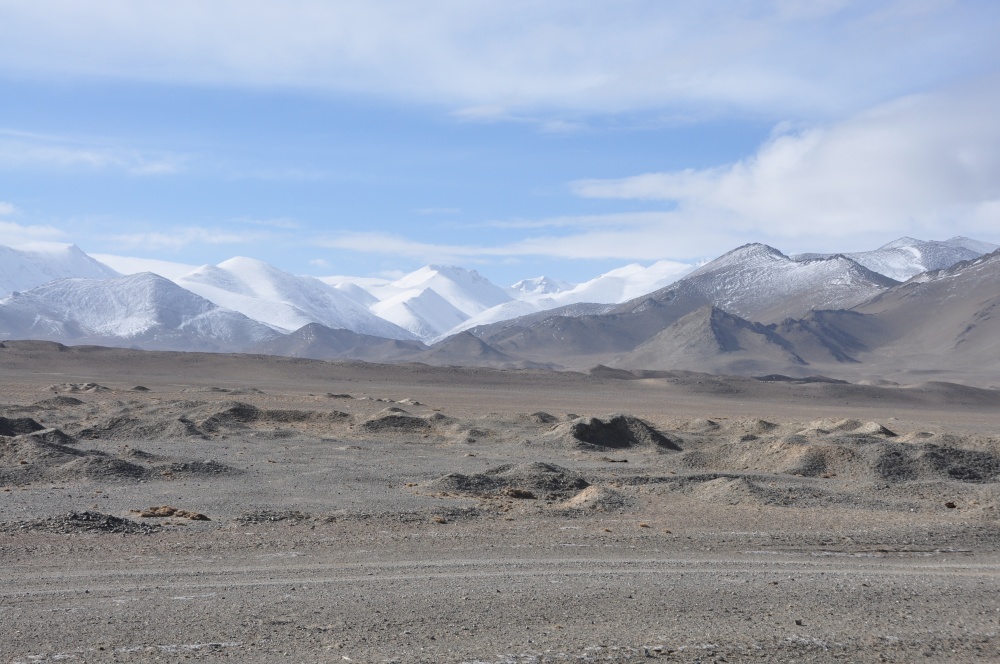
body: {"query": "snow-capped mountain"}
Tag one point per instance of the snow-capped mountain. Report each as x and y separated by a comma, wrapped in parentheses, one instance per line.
(422, 312)
(142, 310)
(430, 301)
(906, 257)
(284, 301)
(541, 286)
(980, 247)
(625, 283)
(619, 285)
(537, 320)
(466, 290)
(759, 283)
(755, 282)
(949, 311)
(34, 264)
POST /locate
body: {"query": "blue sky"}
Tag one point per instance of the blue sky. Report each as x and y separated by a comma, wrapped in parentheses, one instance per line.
(518, 138)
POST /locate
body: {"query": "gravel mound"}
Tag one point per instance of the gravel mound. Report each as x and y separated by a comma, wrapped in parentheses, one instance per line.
(59, 402)
(121, 427)
(80, 522)
(541, 480)
(78, 387)
(899, 463)
(237, 415)
(869, 456)
(396, 422)
(18, 425)
(54, 436)
(617, 431)
(598, 498)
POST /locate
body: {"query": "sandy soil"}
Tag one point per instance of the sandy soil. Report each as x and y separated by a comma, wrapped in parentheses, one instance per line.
(347, 512)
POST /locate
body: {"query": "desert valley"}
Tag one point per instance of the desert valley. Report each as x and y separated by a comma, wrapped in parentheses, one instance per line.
(770, 459)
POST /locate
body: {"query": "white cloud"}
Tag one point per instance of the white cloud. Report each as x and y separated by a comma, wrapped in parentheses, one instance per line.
(6, 209)
(646, 242)
(27, 150)
(497, 55)
(178, 238)
(17, 234)
(924, 165)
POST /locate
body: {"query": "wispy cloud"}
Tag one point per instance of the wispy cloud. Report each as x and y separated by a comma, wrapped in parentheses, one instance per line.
(496, 114)
(647, 242)
(14, 234)
(613, 220)
(511, 55)
(6, 209)
(178, 238)
(29, 150)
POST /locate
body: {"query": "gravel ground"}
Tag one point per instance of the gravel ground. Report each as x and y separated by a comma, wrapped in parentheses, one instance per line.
(330, 513)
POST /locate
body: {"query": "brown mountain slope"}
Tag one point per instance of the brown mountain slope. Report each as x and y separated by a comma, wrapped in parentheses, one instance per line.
(712, 340)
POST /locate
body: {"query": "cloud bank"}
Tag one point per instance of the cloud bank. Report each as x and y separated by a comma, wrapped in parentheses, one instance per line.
(924, 164)
(766, 56)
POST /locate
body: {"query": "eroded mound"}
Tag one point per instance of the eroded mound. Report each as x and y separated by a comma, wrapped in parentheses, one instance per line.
(140, 428)
(194, 419)
(236, 414)
(598, 498)
(29, 459)
(742, 490)
(927, 461)
(862, 451)
(395, 420)
(81, 522)
(55, 436)
(78, 387)
(617, 431)
(18, 425)
(58, 402)
(541, 480)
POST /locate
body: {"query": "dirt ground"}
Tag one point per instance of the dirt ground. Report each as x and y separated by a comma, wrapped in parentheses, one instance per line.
(168, 506)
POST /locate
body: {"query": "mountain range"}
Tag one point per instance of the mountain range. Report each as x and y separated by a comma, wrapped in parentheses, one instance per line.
(908, 307)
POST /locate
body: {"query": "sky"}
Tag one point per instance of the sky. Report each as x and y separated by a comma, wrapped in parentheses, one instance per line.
(518, 138)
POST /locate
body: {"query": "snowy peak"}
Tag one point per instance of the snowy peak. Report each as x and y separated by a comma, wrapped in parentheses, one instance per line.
(144, 310)
(906, 257)
(754, 253)
(284, 301)
(434, 299)
(466, 290)
(624, 283)
(972, 245)
(420, 311)
(34, 264)
(901, 243)
(541, 286)
(759, 283)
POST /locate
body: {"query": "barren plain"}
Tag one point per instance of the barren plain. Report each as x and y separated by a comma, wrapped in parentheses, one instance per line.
(163, 506)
